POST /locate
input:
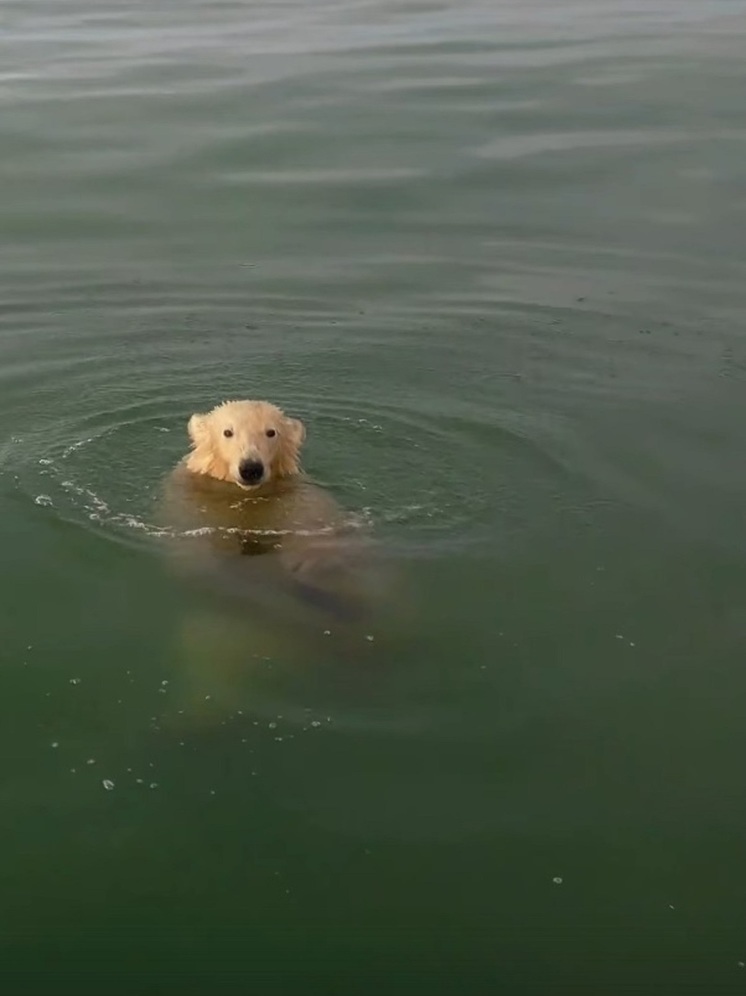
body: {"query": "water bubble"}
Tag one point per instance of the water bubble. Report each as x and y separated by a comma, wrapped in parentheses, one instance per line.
(75, 681)
(557, 880)
(108, 784)
(55, 743)
(43, 500)
(91, 760)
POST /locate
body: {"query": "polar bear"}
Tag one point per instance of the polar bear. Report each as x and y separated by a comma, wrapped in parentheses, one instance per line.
(286, 562)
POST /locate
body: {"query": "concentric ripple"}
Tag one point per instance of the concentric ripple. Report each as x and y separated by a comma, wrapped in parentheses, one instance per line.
(420, 477)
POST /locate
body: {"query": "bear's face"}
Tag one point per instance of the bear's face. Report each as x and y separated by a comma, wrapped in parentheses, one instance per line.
(247, 442)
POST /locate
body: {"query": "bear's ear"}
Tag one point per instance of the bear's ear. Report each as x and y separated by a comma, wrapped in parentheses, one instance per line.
(296, 430)
(197, 429)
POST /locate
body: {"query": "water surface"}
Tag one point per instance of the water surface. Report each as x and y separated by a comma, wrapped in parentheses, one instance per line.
(494, 255)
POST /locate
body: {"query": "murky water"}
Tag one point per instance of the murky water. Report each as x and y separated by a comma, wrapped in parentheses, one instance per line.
(494, 256)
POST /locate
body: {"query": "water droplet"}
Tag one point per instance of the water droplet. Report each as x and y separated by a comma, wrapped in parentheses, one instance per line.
(108, 784)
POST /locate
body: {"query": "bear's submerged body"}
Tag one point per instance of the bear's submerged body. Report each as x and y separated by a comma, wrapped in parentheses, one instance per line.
(308, 546)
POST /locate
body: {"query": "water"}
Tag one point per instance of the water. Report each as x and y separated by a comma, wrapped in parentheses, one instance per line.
(494, 255)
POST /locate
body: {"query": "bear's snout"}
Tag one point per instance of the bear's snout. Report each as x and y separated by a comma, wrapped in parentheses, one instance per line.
(251, 471)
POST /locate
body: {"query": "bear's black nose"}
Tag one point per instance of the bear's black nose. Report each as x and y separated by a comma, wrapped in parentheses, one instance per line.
(251, 471)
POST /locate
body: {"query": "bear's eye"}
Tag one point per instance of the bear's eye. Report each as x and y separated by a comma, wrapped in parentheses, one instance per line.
(271, 432)
(227, 433)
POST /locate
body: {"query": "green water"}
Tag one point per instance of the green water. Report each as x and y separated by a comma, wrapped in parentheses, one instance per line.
(494, 255)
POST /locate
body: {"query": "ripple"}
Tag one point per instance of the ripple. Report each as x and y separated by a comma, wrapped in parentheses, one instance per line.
(519, 146)
(418, 475)
(321, 177)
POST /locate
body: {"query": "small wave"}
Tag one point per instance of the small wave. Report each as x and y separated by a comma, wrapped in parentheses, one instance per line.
(417, 474)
